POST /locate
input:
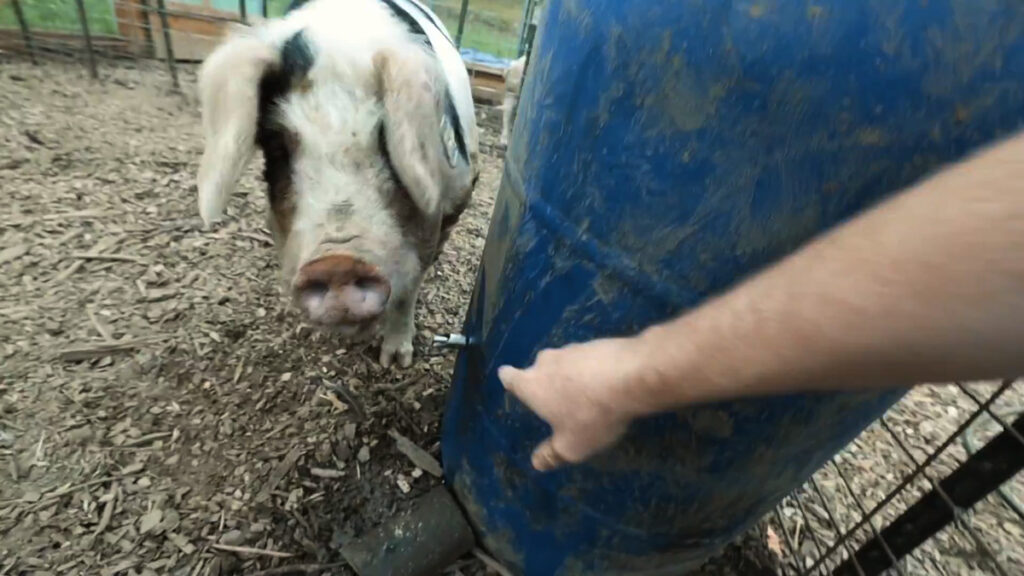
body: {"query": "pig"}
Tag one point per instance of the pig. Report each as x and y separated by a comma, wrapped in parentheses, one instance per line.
(364, 114)
(513, 83)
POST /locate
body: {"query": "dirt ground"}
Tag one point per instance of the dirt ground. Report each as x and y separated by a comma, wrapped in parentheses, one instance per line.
(158, 395)
(162, 411)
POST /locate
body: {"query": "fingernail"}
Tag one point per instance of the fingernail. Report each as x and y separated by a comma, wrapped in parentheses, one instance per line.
(539, 464)
(545, 458)
(503, 374)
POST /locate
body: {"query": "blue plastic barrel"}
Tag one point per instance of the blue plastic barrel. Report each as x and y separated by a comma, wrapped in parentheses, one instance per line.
(664, 150)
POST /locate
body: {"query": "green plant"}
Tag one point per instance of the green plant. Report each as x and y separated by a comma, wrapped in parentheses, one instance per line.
(62, 16)
(492, 26)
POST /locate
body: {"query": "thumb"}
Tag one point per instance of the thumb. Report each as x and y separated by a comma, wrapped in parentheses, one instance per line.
(546, 457)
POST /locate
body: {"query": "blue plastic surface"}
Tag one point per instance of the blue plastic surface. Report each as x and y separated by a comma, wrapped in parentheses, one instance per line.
(664, 150)
(479, 57)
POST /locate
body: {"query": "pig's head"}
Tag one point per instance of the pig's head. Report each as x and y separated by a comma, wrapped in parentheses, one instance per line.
(355, 182)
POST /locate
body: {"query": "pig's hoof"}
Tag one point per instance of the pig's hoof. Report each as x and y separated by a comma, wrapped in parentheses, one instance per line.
(397, 351)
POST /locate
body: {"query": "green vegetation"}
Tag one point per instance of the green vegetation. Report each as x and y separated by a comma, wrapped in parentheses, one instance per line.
(492, 26)
(62, 16)
(276, 8)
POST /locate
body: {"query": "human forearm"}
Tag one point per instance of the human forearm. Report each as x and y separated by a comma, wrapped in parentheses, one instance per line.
(928, 286)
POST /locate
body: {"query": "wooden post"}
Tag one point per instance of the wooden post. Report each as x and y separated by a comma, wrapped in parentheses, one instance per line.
(462, 22)
(26, 35)
(172, 66)
(84, 21)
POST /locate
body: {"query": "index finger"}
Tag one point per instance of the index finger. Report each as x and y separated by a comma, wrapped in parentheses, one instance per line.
(510, 377)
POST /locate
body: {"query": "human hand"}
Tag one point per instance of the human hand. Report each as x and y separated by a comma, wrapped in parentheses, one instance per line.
(586, 392)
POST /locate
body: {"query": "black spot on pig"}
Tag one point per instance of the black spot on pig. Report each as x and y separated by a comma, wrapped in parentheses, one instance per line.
(409, 21)
(277, 142)
(296, 58)
(453, 115)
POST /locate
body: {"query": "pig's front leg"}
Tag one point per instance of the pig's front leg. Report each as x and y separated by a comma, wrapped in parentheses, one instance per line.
(399, 329)
(507, 118)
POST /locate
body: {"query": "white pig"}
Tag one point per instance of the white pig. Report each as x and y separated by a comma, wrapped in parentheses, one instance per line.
(364, 114)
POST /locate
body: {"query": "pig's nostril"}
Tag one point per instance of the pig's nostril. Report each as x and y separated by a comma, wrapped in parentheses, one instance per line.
(340, 289)
(316, 289)
(313, 296)
(367, 283)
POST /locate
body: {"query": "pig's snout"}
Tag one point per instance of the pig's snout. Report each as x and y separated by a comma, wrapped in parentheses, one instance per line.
(339, 289)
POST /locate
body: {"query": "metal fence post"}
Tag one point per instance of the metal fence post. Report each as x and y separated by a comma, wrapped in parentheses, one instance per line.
(531, 33)
(148, 30)
(527, 12)
(168, 49)
(462, 22)
(243, 11)
(84, 21)
(26, 36)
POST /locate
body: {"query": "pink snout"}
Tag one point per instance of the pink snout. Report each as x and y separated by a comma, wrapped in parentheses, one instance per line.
(339, 289)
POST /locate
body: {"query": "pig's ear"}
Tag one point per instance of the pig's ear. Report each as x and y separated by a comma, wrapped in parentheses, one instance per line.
(229, 83)
(412, 89)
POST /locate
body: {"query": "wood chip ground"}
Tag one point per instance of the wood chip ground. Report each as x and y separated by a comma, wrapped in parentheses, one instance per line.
(162, 411)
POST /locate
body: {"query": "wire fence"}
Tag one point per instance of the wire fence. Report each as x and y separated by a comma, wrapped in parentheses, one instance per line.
(489, 26)
(188, 30)
(933, 487)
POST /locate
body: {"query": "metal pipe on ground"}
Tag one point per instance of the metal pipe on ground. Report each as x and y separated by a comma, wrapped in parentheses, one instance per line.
(422, 542)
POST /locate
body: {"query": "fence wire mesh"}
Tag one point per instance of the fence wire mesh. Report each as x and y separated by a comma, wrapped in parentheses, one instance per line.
(188, 30)
(933, 487)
